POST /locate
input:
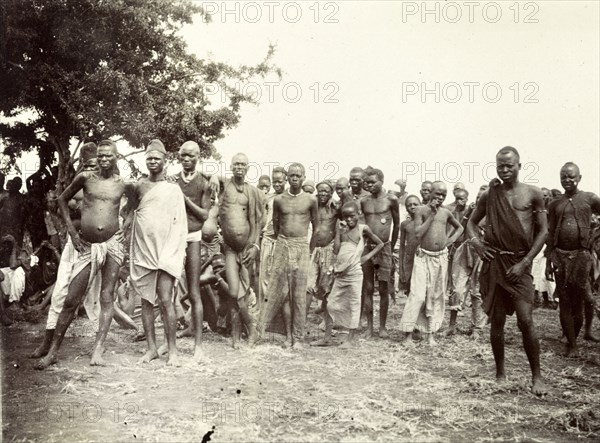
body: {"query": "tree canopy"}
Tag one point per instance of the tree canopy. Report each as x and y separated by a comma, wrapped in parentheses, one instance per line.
(94, 69)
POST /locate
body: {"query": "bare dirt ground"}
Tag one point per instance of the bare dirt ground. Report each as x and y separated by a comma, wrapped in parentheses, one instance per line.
(381, 391)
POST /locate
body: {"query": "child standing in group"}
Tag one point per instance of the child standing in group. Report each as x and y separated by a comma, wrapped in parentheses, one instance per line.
(343, 302)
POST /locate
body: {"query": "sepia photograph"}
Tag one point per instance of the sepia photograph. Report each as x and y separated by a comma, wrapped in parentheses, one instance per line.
(303, 221)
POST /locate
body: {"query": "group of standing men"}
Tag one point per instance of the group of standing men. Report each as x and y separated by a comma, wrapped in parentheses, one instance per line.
(291, 246)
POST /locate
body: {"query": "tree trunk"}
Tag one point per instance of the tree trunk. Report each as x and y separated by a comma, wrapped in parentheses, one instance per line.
(65, 171)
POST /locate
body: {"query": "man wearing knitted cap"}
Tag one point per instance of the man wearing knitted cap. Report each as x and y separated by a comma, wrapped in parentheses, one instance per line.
(320, 275)
(158, 245)
(197, 196)
(99, 244)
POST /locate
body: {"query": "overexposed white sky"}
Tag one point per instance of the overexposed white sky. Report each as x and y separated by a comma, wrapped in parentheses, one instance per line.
(362, 67)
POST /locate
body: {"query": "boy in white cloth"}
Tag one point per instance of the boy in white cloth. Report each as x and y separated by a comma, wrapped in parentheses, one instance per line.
(343, 302)
(425, 306)
(158, 246)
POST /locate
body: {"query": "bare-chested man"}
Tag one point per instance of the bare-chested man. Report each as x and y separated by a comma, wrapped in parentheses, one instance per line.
(425, 192)
(380, 210)
(408, 243)
(240, 214)
(99, 243)
(158, 247)
(320, 273)
(88, 161)
(197, 195)
(515, 231)
(425, 306)
(293, 211)
(569, 256)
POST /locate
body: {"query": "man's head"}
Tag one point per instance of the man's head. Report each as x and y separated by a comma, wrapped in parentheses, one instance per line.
(51, 201)
(373, 180)
(555, 193)
(411, 203)
(239, 165)
(357, 175)
(547, 196)
(570, 177)
(308, 186)
(425, 191)
(508, 164)
(107, 155)
(264, 183)
(401, 182)
(482, 189)
(189, 153)
(279, 177)
(458, 186)
(341, 185)
(324, 192)
(460, 198)
(350, 214)
(155, 157)
(295, 177)
(14, 186)
(438, 192)
(88, 157)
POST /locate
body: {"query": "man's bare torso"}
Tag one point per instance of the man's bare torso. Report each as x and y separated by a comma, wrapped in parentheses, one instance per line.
(100, 207)
(378, 215)
(294, 214)
(436, 237)
(233, 216)
(521, 198)
(325, 231)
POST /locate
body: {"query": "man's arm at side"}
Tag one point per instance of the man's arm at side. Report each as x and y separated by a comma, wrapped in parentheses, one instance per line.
(395, 209)
(63, 204)
(541, 224)
(457, 231)
(314, 220)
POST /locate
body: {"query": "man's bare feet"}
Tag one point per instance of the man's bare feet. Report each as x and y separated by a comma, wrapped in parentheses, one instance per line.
(173, 359)
(539, 387)
(43, 363)
(475, 335)
(431, 339)
(187, 332)
(383, 333)
(368, 334)
(162, 349)
(322, 342)
(41, 350)
(97, 359)
(298, 345)
(151, 354)
(571, 351)
(408, 341)
(590, 337)
(348, 344)
(199, 355)
(451, 331)
(500, 378)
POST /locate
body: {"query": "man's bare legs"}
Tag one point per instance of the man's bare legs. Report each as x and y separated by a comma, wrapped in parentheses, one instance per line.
(571, 309)
(384, 303)
(148, 323)
(531, 344)
(237, 275)
(75, 295)
(326, 340)
(164, 290)
(367, 296)
(589, 318)
(110, 274)
(192, 272)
